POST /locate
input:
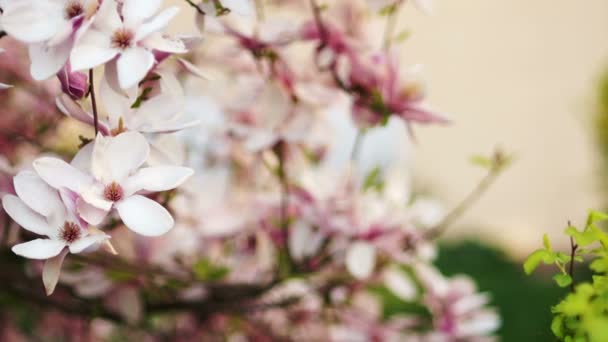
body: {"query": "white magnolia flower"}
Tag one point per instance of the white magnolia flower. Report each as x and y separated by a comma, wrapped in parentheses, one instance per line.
(162, 113)
(51, 213)
(125, 38)
(107, 174)
(50, 28)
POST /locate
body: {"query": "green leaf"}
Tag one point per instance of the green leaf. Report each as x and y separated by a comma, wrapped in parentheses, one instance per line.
(557, 326)
(141, 98)
(583, 238)
(596, 216)
(482, 161)
(562, 280)
(546, 242)
(205, 270)
(534, 260)
(599, 265)
(373, 180)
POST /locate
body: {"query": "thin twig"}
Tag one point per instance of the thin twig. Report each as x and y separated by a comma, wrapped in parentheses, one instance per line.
(93, 101)
(573, 248)
(465, 204)
(354, 154)
(198, 9)
(391, 22)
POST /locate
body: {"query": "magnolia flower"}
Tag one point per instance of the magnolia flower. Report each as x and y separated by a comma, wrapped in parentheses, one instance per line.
(45, 211)
(460, 313)
(125, 37)
(162, 113)
(107, 174)
(50, 28)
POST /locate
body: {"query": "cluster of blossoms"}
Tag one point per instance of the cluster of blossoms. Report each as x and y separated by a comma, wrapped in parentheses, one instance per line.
(256, 171)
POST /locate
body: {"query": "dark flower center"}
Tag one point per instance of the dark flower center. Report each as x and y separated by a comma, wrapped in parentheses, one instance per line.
(113, 192)
(73, 9)
(70, 232)
(122, 39)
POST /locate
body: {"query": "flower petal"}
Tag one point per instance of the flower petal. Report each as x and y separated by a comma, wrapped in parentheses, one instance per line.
(31, 23)
(24, 216)
(51, 272)
(92, 50)
(90, 213)
(135, 11)
(361, 259)
(36, 194)
(39, 249)
(92, 240)
(157, 23)
(144, 216)
(157, 178)
(59, 174)
(133, 65)
(122, 155)
(48, 60)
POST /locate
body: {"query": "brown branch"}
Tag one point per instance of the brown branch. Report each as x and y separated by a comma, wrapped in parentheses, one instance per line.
(93, 101)
(573, 248)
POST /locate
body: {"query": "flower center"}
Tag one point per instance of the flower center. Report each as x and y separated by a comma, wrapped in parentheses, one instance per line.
(113, 192)
(70, 232)
(73, 9)
(122, 39)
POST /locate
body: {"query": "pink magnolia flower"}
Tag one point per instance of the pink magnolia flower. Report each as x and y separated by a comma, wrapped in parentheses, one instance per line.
(107, 174)
(380, 93)
(125, 37)
(459, 311)
(45, 211)
(50, 28)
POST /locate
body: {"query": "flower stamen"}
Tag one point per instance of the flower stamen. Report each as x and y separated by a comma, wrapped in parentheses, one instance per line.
(122, 39)
(70, 232)
(73, 9)
(113, 192)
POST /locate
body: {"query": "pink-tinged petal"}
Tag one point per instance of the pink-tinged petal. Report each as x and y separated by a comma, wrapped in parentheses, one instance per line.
(169, 126)
(48, 60)
(157, 178)
(261, 140)
(195, 70)
(36, 194)
(136, 11)
(361, 259)
(144, 216)
(51, 272)
(32, 24)
(39, 249)
(159, 42)
(59, 174)
(92, 50)
(117, 105)
(133, 65)
(107, 18)
(94, 196)
(124, 154)
(110, 75)
(158, 109)
(156, 24)
(400, 284)
(82, 159)
(88, 242)
(24, 216)
(74, 84)
(91, 214)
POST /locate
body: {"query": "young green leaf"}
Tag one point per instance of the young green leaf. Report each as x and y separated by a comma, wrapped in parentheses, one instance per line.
(562, 280)
(534, 260)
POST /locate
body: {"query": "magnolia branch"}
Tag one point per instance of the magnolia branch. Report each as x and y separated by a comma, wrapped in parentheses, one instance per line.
(499, 163)
(93, 101)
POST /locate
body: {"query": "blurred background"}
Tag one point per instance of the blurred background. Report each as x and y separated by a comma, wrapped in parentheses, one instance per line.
(529, 77)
